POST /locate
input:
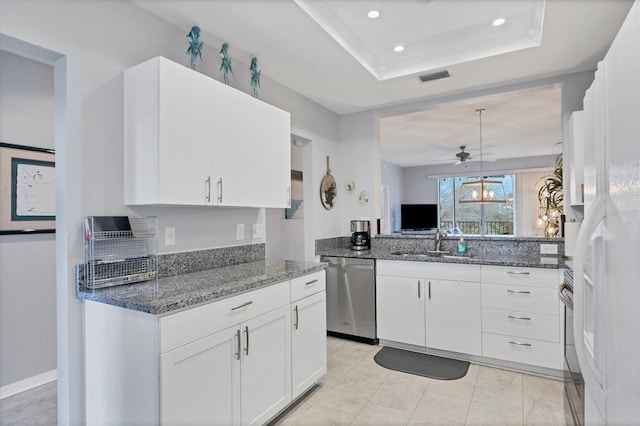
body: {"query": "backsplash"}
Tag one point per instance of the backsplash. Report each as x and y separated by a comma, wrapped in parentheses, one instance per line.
(199, 260)
(170, 264)
(476, 246)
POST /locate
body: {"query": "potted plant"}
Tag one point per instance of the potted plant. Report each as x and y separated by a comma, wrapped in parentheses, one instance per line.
(551, 196)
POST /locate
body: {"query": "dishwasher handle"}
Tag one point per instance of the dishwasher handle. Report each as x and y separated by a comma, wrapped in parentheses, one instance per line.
(361, 267)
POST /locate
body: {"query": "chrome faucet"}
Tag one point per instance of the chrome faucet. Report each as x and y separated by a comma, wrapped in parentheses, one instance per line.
(439, 237)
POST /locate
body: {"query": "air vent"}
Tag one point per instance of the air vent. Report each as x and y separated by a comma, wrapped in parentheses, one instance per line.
(434, 76)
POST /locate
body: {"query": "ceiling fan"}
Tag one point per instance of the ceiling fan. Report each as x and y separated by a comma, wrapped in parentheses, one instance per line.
(462, 156)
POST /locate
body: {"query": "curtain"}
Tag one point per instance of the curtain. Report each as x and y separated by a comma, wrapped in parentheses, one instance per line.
(527, 204)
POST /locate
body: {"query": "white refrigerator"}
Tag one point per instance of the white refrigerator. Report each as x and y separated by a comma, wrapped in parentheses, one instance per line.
(607, 257)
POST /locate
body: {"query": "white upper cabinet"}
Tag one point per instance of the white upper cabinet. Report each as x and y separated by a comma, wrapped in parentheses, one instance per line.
(191, 140)
(576, 158)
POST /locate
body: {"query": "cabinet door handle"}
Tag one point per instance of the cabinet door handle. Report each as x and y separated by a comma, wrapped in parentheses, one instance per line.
(311, 282)
(518, 292)
(239, 345)
(429, 289)
(289, 197)
(296, 324)
(242, 306)
(220, 191)
(518, 273)
(519, 318)
(519, 343)
(208, 197)
(246, 349)
(418, 289)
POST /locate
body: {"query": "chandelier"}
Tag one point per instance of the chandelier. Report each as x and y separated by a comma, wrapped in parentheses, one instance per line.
(482, 191)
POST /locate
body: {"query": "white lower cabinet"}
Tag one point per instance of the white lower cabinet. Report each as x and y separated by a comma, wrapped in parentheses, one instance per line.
(234, 361)
(308, 342)
(201, 381)
(495, 312)
(401, 309)
(442, 312)
(453, 313)
(241, 375)
(521, 319)
(265, 369)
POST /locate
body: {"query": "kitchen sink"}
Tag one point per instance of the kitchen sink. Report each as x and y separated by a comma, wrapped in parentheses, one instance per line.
(437, 252)
(427, 253)
(457, 256)
(432, 253)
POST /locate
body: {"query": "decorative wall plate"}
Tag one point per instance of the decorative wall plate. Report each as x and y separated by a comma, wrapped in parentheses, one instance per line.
(363, 198)
(328, 189)
(349, 186)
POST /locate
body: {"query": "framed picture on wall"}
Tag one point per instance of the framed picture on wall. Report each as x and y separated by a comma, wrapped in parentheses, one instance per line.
(27, 189)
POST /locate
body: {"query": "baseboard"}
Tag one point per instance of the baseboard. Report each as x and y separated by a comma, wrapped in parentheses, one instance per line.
(29, 383)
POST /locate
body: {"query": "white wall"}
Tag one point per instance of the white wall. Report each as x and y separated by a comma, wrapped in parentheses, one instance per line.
(97, 41)
(359, 159)
(573, 88)
(27, 262)
(417, 187)
(285, 237)
(392, 176)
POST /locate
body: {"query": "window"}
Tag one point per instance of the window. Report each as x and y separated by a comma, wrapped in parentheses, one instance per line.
(475, 219)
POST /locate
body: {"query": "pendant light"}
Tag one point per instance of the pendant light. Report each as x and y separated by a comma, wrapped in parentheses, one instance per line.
(482, 191)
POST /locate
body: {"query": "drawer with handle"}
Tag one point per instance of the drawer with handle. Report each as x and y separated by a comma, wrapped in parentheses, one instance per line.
(307, 285)
(522, 350)
(520, 276)
(520, 298)
(522, 324)
(187, 326)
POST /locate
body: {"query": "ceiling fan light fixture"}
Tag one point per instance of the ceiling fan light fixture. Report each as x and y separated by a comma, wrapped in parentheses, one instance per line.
(373, 14)
(482, 191)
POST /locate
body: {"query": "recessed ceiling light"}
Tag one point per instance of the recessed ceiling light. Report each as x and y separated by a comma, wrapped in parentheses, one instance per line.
(373, 14)
(398, 48)
(498, 22)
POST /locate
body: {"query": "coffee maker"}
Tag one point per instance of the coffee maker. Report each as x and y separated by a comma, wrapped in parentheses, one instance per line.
(360, 235)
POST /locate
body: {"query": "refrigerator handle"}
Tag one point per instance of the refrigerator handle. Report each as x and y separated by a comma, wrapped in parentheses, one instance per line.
(590, 371)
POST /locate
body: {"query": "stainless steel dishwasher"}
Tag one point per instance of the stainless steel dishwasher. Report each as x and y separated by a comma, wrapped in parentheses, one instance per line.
(351, 298)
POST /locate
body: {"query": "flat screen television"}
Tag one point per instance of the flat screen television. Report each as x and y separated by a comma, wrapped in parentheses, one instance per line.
(418, 217)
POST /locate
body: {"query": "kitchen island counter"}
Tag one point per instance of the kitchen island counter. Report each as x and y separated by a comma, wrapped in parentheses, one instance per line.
(174, 293)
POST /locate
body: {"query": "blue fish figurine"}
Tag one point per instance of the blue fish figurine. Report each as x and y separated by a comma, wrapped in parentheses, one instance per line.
(225, 66)
(255, 76)
(195, 46)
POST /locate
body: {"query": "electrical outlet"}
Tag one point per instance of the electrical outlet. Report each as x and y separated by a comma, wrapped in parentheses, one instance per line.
(169, 236)
(240, 231)
(257, 230)
(548, 249)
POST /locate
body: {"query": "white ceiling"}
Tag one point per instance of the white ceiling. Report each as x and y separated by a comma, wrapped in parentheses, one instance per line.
(330, 52)
(430, 41)
(512, 124)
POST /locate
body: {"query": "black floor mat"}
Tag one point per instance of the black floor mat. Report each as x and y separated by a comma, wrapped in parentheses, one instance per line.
(425, 365)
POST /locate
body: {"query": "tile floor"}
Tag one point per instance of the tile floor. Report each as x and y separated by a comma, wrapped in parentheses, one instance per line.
(356, 390)
(37, 406)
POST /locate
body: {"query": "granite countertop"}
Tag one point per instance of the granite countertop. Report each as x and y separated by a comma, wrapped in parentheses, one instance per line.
(498, 259)
(167, 295)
